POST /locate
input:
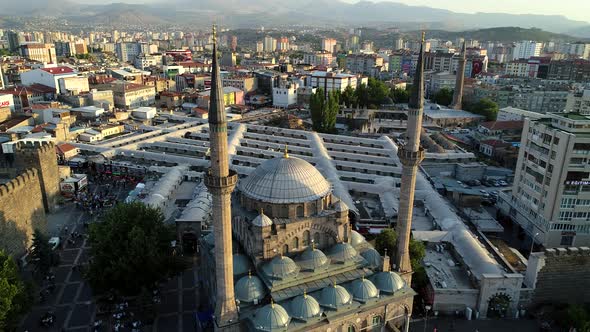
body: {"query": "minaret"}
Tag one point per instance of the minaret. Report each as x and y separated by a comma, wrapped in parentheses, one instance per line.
(458, 94)
(221, 182)
(410, 156)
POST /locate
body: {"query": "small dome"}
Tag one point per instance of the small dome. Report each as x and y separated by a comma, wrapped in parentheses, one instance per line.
(373, 258)
(363, 290)
(340, 206)
(285, 180)
(313, 259)
(389, 282)
(342, 252)
(271, 317)
(304, 307)
(241, 264)
(356, 239)
(249, 289)
(262, 220)
(334, 296)
(280, 267)
(210, 239)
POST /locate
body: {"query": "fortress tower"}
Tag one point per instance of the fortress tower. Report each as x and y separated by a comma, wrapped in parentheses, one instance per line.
(41, 156)
(410, 156)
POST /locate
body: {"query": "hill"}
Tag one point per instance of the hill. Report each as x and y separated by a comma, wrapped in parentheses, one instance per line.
(504, 34)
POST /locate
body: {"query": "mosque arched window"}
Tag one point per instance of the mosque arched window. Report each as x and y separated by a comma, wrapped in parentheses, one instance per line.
(306, 238)
(317, 238)
(295, 242)
(285, 249)
(300, 211)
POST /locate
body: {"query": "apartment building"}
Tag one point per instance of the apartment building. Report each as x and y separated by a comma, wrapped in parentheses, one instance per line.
(550, 199)
(578, 102)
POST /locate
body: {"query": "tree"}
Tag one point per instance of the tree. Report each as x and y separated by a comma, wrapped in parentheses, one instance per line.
(387, 239)
(378, 92)
(400, 95)
(42, 253)
(485, 107)
(362, 95)
(15, 297)
(324, 111)
(349, 97)
(130, 250)
(443, 96)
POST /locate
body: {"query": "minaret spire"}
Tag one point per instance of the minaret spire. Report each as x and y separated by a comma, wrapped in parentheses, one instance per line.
(460, 80)
(410, 156)
(221, 182)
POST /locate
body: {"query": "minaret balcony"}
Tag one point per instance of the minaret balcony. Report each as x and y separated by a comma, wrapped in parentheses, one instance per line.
(214, 182)
(410, 158)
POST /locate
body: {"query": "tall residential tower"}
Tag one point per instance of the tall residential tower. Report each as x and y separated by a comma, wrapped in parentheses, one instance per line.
(221, 182)
(411, 154)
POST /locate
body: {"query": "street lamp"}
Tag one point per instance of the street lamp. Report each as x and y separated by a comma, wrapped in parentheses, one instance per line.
(426, 308)
(532, 244)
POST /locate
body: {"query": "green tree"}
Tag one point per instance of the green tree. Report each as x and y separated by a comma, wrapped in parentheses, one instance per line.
(324, 111)
(362, 95)
(578, 316)
(443, 96)
(42, 253)
(131, 250)
(387, 239)
(348, 97)
(485, 107)
(400, 95)
(15, 297)
(378, 92)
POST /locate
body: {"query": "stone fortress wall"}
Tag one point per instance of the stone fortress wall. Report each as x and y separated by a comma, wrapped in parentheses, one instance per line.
(21, 212)
(560, 275)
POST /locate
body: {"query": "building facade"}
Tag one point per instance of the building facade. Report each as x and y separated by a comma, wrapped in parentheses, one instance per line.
(550, 199)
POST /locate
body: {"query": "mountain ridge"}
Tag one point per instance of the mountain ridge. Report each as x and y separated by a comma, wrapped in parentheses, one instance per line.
(242, 13)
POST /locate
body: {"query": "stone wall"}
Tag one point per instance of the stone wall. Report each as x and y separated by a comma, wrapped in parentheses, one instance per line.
(564, 276)
(42, 156)
(21, 211)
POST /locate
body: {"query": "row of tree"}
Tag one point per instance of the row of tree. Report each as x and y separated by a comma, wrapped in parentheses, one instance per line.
(485, 106)
(324, 106)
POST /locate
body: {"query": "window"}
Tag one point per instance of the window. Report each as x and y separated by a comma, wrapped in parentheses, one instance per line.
(285, 249)
(300, 211)
(306, 238)
(316, 238)
(351, 328)
(567, 240)
(295, 242)
(376, 323)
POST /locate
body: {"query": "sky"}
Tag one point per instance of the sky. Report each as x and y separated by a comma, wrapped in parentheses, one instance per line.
(573, 9)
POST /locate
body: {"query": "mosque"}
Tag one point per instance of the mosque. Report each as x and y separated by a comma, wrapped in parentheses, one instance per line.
(282, 255)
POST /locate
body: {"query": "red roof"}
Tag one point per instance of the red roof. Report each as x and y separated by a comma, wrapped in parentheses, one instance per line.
(58, 70)
(65, 147)
(503, 125)
(40, 88)
(198, 110)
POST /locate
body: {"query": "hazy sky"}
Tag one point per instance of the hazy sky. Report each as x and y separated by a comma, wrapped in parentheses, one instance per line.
(574, 9)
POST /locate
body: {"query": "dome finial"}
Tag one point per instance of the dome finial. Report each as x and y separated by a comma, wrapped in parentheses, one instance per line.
(286, 155)
(261, 211)
(249, 273)
(305, 293)
(272, 303)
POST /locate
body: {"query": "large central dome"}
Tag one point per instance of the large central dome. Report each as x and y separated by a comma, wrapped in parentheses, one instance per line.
(285, 180)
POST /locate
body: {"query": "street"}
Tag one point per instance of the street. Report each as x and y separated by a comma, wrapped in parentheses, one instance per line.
(71, 299)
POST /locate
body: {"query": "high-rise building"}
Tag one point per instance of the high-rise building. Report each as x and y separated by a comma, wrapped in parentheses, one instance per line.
(13, 40)
(328, 44)
(39, 52)
(550, 198)
(283, 44)
(398, 44)
(259, 47)
(270, 44)
(234, 43)
(410, 155)
(526, 49)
